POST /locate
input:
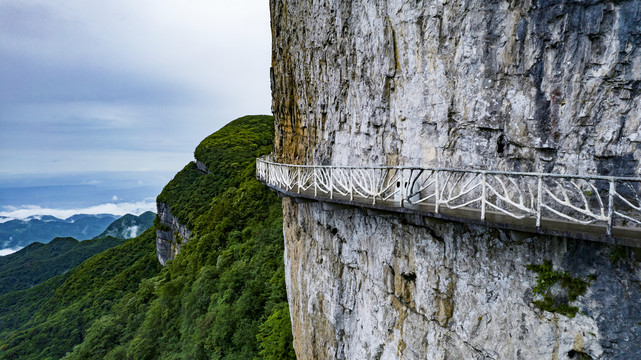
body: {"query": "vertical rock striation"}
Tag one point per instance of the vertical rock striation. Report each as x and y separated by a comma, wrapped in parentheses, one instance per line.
(170, 235)
(405, 287)
(512, 85)
(551, 86)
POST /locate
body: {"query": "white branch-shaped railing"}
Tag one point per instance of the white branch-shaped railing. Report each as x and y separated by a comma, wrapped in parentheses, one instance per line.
(578, 199)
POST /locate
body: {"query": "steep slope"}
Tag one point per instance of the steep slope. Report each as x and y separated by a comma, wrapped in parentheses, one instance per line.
(39, 262)
(20, 233)
(222, 297)
(129, 226)
(548, 86)
(45, 321)
(220, 160)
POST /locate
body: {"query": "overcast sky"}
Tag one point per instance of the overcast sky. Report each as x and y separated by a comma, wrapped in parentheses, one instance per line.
(124, 85)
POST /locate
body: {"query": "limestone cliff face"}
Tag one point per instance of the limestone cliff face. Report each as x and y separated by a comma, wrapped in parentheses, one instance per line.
(550, 86)
(515, 85)
(170, 236)
(403, 287)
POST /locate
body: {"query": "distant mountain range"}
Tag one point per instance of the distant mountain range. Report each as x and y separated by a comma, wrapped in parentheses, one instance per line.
(129, 226)
(20, 233)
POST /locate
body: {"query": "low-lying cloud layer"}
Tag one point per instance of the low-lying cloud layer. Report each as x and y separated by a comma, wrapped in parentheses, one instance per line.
(4, 252)
(23, 212)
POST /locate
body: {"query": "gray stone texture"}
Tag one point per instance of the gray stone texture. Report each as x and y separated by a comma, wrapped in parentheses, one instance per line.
(549, 86)
(406, 287)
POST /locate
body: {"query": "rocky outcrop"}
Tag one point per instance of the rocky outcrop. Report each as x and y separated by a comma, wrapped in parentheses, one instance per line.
(170, 235)
(552, 86)
(202, 167)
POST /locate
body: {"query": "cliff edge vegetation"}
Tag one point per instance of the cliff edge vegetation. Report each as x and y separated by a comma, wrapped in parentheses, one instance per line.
(222, 297)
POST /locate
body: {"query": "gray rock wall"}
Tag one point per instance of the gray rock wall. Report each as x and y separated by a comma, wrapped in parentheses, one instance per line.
(512, 85)
(171, 236)
(550, 86)
(405, 287)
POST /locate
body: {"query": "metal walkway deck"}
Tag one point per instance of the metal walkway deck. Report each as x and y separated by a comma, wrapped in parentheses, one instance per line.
(597, 208)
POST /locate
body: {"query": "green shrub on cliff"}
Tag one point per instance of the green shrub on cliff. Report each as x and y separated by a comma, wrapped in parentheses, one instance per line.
(546, 278)
(229, 156)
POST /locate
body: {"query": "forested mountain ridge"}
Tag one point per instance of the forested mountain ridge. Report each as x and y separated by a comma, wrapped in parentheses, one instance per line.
(222, 297)
(38, 262)
(47, 320)
(129, 226)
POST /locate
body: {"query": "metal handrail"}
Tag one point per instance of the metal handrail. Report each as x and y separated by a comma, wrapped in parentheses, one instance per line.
(578, 199)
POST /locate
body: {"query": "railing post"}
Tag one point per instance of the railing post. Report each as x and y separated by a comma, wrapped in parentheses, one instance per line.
(437, 194)
(483, 194)
(299, 171)
(351, 185)
(374, 191)
(276, 177)
(315, 182)
(402, 187)
(268, 174)
(610, 207)
(331, 183)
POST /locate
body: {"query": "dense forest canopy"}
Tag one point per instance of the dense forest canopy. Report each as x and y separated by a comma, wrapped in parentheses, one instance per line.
(223, 297)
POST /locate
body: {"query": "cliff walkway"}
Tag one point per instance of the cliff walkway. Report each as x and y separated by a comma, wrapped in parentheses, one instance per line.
(597, 208)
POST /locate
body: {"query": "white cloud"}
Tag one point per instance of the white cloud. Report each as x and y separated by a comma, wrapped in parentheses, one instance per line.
(8, 251)
(132, 231)
(135, 208)
(90, 182)
(114, 198)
